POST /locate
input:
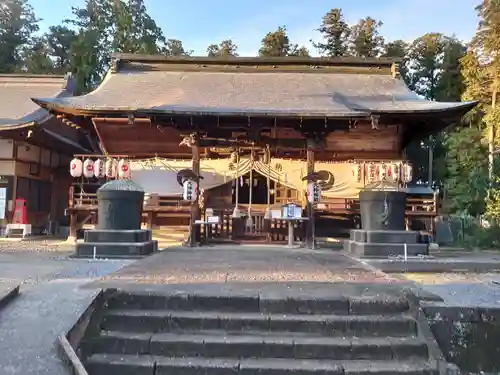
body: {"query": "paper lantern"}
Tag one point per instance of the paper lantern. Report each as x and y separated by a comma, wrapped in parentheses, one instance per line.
(88, 168)
(110, 168)
(76, 167)
(394, 172)
(98, 168)
(372, 169)
(407, 173)
(123, 169)
(382, 172)
(190, 190)
(358, 172)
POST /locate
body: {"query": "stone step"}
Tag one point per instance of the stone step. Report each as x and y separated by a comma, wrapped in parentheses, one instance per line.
(102, 235)
(106, 364)
(130, 320)
(385, 236)
(364, 249)
(223, 345)
(103, 249)
(264, 303)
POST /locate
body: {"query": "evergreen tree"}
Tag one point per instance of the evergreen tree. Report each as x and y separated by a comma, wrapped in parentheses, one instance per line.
(17, 27)
(275, 43)
(365, 40)
(335, 32)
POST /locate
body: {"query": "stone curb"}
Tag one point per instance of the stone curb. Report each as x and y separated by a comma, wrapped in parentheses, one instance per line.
(68, 345)
(68, 355)
(9, 296)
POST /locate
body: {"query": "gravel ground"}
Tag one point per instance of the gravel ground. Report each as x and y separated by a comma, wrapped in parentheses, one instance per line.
(50, 302)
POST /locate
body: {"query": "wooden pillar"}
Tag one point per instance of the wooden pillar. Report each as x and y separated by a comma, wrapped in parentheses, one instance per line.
(310, 237)
(195, 207)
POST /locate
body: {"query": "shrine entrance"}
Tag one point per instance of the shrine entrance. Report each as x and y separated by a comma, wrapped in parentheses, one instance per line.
(259, 189)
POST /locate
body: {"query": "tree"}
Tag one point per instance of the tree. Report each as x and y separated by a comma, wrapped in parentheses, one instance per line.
(299, 51)
(59, 40)
(466, 166)
(174, 47)
(365, 40)
(107, 26)
(223, 49)
(17, 26)
(335, 32)
(36, 58)
(275, 43)
(135, 30)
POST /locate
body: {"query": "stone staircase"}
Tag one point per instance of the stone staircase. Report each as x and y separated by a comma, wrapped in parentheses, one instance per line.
(172, 333)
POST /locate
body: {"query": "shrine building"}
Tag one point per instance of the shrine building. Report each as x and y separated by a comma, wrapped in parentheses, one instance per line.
(253, 129)
(35, 149)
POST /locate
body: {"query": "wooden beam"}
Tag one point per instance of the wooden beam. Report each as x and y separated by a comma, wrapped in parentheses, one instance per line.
(310, 240)
(195, 207)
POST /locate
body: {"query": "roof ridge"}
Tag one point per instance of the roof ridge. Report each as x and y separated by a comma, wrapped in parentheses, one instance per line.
(121, 59)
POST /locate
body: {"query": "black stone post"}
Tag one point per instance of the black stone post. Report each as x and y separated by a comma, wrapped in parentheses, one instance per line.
(382, 210)
(118, 233)
(120, 204)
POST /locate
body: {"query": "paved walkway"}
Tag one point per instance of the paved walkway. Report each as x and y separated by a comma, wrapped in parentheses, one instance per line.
(223, 264)
(50, 302)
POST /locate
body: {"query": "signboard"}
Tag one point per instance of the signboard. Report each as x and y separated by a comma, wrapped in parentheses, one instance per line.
(3, 202)
(291, 211)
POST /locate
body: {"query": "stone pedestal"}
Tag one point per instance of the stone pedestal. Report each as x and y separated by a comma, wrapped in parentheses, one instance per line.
(383, 227)
(118, 233)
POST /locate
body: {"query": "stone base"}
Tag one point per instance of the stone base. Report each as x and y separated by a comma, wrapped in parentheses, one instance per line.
(115, 249)
(116, 244)
(363, 249)
(109, 235)
(384, 243)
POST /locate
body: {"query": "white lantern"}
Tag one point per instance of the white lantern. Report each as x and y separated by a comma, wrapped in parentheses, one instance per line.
(382, 172)
(98, 168)
(88, 168)
(123, 169)
(190, 190)
(76, 167)
(394, 172)
(358, 172)
(372, 172)
(313, 192)
(407, 173)
(110, 168)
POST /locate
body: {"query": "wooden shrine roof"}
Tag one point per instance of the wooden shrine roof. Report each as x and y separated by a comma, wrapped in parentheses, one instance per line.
(241, 86)
(19, 115)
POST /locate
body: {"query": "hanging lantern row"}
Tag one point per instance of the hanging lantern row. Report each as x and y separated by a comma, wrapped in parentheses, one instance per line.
(89, 168)
(374, 172)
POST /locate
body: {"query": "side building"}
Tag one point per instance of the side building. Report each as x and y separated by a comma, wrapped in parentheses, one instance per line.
(35, 149)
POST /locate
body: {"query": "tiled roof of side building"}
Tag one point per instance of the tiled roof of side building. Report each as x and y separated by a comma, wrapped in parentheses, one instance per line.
(251, 86)
(17, 108)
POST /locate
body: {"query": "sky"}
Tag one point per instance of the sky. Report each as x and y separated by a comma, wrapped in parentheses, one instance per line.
(199, 23)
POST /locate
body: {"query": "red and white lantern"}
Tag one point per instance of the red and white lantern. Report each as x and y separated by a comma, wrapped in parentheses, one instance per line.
(98, 168)
(372, 173)
(110, 168)
(88, 168)
(123, 169)
(407, 173)
(75, 168)
(358, 172)
(382, 172)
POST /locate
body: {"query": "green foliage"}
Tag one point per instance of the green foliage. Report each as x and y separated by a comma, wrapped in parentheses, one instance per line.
(223, 49)
(365, 40)
(174, 47)
(277, 44)
(466, 180)
(17, 26)
(335, 32)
